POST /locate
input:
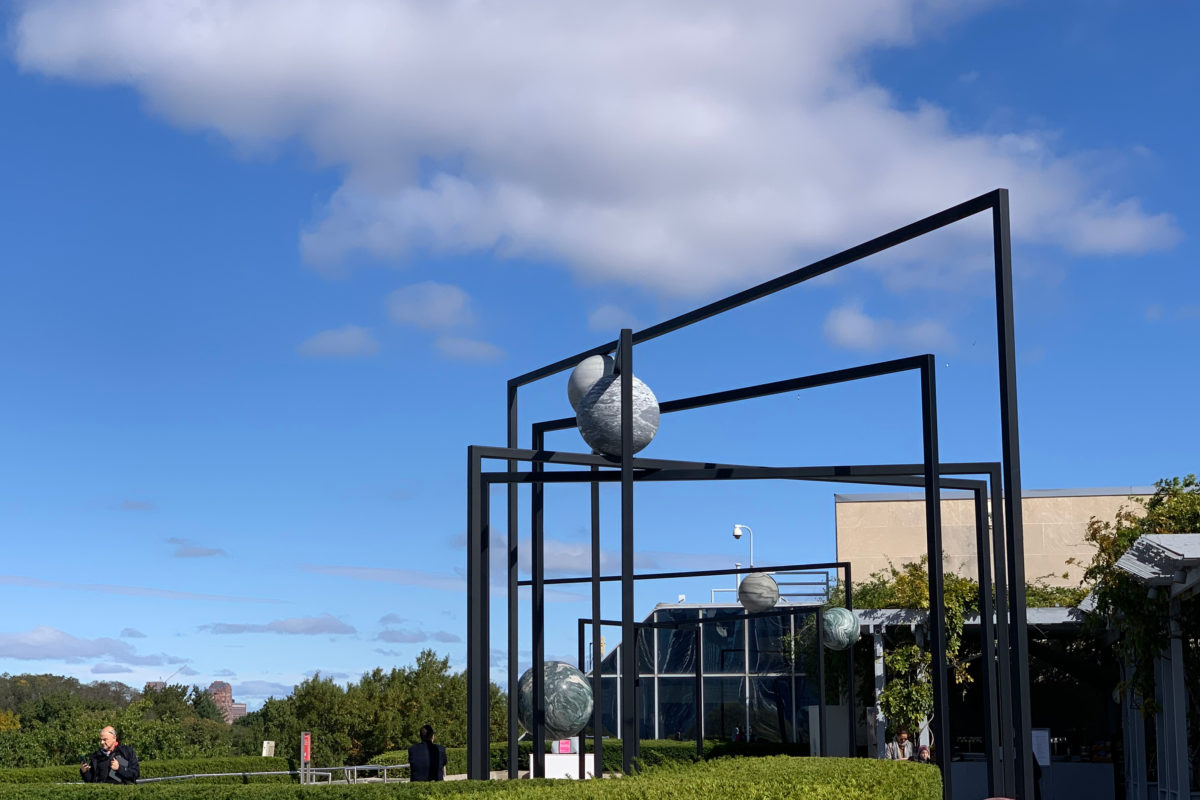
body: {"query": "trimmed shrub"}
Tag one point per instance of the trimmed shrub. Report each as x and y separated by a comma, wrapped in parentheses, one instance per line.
(456, 757)
(164, 768)
(770, 778)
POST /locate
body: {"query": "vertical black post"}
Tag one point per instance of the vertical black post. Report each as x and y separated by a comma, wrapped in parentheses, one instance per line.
(597, 652)
(937, 597)
(537, 759)
(850, 702)
(1003, 664)
(477, 623)
(583, 739)
(699, 694)
(513, 594)
(987, 637)
(1011, 467)
(822, 748)
(629, 711)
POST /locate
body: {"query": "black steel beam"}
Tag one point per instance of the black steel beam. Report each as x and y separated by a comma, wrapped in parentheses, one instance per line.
(597, 652)
(629, 715)
(537, 549)
(817, 268)
(477, 624)
(822, 728)
(513, 598)
(1010, 449)
(700, 573)
(987, 637)
(836, 376)
(1003, 662)
(937, 584)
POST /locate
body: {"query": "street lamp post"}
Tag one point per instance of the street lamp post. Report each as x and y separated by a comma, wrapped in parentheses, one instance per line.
(737, 534)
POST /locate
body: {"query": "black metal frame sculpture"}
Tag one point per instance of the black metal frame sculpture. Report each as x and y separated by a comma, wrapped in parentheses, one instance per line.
(1010, 734)
(778, 611)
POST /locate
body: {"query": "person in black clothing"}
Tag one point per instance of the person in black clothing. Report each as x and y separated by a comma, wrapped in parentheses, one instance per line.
(426, 760)
(112, 763)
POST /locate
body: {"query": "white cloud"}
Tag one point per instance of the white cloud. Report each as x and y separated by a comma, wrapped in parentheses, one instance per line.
(430, 305)
(411, 636)
(460, 349)
(110, 669)
(848, 326)
(186, 549)
(132, 633)
(131, 591)
(261, 689)
(610, 319)
(683, 145)
(47, 643)
(351, 341)
(297, 626)
(137, 505)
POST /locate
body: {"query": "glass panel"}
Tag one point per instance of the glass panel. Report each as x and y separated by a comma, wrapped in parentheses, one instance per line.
(645, 641)
(724, 642)
(766, 646)
(646, 708)
(724, 707)
(770, 709)
(677, 647)
(608, 699)
(677, 708)
(609, 665)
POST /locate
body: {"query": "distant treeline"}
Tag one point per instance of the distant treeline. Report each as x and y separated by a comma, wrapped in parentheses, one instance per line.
(48, 720)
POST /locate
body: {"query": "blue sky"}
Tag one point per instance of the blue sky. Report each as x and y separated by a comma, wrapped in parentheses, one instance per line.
(266, 268)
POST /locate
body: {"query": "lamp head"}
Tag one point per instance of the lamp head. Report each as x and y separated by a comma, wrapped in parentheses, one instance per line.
(738, 530)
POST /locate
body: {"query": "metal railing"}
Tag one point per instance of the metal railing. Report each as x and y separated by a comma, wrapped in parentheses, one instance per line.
(349, 773)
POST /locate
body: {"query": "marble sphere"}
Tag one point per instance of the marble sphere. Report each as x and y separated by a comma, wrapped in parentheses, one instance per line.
(599, 415)
(585, 375)
(840, 628)
(568, 700)
(758, 591)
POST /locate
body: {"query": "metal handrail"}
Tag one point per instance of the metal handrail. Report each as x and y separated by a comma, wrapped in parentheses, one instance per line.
(348, 771)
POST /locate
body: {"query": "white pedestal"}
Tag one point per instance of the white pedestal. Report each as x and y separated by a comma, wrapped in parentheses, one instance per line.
(567, 766)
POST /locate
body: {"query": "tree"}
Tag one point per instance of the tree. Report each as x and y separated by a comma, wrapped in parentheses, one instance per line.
(203, 705)
(1137, 617)
(168, 703)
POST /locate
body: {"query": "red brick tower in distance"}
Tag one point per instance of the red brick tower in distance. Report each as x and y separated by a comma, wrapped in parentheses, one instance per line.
(222, 694)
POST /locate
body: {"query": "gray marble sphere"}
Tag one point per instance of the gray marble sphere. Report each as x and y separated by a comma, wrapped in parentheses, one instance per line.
(585, 375)
(599, 415)
(840, 628)
(758, 591)
(568, 700)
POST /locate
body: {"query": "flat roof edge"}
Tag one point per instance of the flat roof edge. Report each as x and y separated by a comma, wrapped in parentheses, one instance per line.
(958, 494)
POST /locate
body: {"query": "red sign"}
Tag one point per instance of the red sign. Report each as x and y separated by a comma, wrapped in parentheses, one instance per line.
(564, 745)
(306, 747)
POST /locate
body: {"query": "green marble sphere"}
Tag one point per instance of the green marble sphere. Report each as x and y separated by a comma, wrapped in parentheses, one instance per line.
(840, 628)
(568, 700)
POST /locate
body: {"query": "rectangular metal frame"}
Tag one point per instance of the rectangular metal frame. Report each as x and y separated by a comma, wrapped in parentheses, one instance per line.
(995, 202)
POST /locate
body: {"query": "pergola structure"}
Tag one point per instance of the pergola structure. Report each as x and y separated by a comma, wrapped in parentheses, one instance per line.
(1008, 708)
(1163, 563)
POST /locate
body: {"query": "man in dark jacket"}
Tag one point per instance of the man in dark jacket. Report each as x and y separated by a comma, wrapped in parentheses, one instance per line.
(112, 763)
(426, 760)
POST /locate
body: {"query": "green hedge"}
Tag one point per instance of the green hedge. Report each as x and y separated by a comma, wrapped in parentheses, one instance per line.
(163, 768)
(456, 758)
(655, 752)
(770, 778)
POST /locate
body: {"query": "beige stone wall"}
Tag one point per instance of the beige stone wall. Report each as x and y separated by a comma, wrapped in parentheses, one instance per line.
(872, 533)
